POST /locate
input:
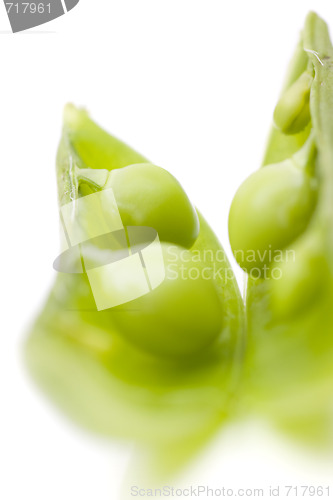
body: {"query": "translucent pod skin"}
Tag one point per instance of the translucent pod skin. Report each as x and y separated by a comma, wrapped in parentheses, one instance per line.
(147, 195)
(292, 112)
(181, 317)
(270, 209)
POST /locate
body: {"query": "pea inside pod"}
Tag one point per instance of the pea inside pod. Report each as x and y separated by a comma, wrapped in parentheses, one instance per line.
(179, 318)
(292, 112)
(183, 314)
(272, 208)
(148, 195)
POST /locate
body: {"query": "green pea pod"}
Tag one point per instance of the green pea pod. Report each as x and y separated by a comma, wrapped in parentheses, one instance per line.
(289, 364)
(160, 369)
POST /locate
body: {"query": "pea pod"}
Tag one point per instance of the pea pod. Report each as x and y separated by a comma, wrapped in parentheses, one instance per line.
(289, 369)
(159, 369)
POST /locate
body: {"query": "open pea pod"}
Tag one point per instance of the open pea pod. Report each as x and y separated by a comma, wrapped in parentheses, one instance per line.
(125, 348)
(281, 231)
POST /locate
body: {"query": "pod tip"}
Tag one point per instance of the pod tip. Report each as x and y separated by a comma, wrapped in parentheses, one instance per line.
(72, 115)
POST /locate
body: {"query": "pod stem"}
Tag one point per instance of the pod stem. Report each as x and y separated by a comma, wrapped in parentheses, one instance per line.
(318, 46)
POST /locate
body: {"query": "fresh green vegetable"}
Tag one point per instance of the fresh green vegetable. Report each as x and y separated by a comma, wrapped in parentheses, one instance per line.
(292, 113)
(163, 367)
(272, 208)
(149, 196)
(180, 317)
(160, 369)
(289, 368)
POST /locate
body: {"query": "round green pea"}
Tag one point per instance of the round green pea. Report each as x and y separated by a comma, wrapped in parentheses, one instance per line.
(270, 209)
(179, 318)
(147, 195)
(292, 112)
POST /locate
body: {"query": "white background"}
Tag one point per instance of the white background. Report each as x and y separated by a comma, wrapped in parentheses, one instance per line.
(192, 85)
